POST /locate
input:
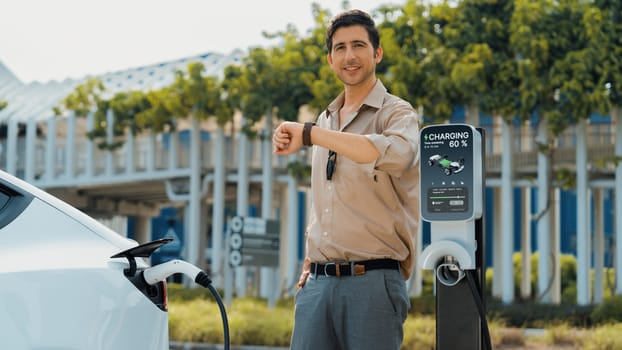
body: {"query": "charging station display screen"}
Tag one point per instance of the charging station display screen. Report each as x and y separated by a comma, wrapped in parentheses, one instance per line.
(447, 199)
(449, 171)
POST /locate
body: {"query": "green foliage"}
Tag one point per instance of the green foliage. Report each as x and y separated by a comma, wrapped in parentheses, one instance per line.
(282, 78)
(299, 170)
(192, 94)
(156, 117)
(194, 317)
(610, 310)
(178, 293)
(250, 322)
(562, 335)
(565, 178)
(423, 305)
(3, 104)
(536, 315)
(568, 266)
(604, 338)
(419, 333)
(84, 98)
(560, 59)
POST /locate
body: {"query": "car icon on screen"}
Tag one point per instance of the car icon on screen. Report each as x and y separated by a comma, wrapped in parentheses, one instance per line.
(449, 167)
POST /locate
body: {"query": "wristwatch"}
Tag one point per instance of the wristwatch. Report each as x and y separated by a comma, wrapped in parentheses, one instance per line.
(306, 134)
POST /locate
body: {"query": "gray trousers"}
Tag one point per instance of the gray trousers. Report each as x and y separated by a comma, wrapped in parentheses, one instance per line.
(351, 312)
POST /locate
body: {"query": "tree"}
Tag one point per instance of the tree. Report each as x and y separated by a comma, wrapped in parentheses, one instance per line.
(125, 106)
(484, 70)
(606, 37)
(575, 76)
(86, 98)
(192, 94)
(417, 64)
(273, 81)
(83, 99)
(604, 24)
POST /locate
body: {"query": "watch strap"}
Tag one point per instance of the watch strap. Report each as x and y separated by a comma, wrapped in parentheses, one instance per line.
(306, 134)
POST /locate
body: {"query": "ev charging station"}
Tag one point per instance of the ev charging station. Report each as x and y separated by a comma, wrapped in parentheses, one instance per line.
(452, 196)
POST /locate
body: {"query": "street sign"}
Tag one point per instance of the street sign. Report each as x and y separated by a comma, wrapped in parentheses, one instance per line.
(254, 241)
(260, 250)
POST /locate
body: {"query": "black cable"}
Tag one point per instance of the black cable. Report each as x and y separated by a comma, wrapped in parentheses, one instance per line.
(480, 307)
(204, 280)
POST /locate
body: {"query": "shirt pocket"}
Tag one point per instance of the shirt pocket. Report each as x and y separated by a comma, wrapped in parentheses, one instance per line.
(364, 187)
(385, 190)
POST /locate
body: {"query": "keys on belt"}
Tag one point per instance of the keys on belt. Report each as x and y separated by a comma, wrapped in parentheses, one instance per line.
(353, 268)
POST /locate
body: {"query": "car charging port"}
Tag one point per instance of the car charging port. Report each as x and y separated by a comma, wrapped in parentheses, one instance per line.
(156, 292)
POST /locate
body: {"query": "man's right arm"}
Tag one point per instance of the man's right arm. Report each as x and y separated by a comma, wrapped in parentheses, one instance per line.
(287, 139)
(306, 271)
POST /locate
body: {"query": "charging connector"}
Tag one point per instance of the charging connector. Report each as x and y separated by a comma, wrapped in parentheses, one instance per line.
(161, 272)
(449, 272)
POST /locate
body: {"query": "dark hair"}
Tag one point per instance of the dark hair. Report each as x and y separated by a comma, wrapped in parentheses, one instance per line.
(351, 18)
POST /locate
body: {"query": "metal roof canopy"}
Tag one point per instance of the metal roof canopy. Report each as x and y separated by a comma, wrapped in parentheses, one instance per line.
(36, 100)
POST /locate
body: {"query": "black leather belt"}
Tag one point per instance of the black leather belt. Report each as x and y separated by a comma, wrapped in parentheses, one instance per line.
(353, 268)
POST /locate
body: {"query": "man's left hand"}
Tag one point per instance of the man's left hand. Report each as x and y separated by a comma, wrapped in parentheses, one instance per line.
(287, 138)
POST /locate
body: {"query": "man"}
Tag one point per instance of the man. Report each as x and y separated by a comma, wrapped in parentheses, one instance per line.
(365, 213)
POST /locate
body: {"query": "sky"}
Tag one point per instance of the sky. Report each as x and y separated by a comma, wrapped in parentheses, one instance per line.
(43, 40)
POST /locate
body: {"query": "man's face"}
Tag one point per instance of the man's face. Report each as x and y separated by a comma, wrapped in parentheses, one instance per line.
(353, 57)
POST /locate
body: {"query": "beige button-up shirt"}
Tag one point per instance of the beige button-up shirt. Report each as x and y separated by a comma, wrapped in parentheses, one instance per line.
(368, 211)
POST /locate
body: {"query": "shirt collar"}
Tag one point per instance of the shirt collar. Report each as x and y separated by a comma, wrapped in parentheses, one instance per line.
(374, 99)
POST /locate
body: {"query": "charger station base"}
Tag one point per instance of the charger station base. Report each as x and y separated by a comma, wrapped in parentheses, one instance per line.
(458, 325)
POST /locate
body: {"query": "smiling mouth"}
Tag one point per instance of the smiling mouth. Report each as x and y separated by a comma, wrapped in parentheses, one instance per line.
(351, 69)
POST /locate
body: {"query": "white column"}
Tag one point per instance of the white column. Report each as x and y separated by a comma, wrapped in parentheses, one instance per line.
(243, 171)
(242, 198)
(555, 252)
(70, 145)
(543, 216)
(218, 210)
(90, 146)
(269, 281)
(11, 147)
(507, 214)
(143, 229)
(173, 138)
(497, 237)
(130, 149)
(472, 112)
(193, 246)
(151, 149)
(583, 239)
(599, 245)
(525, 287)
(31, 140)
(50, 150)
(109, 140)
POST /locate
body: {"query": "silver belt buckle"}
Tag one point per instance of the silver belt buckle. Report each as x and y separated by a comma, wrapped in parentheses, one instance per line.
(328, 264)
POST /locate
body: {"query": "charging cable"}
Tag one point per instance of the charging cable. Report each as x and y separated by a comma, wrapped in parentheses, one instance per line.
(479, 302)
(161, 272)
(450, 274)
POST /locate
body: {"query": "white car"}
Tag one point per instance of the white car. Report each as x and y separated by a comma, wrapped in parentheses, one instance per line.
(66, 281)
